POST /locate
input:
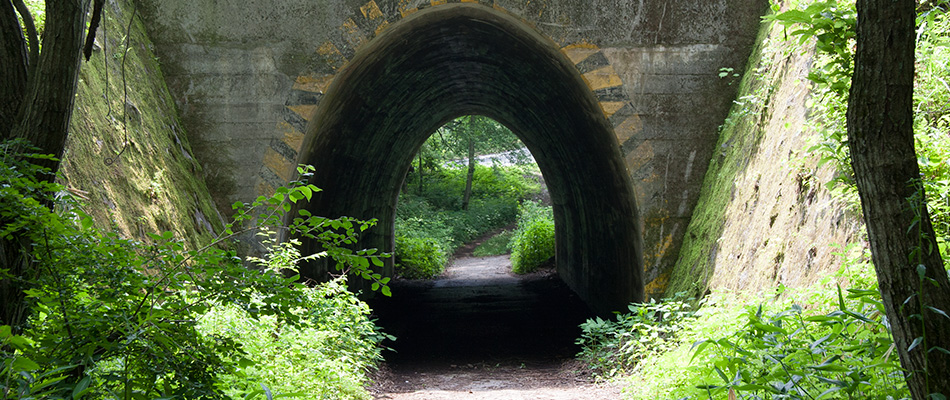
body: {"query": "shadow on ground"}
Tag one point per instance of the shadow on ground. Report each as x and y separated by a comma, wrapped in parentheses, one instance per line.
(477, 312)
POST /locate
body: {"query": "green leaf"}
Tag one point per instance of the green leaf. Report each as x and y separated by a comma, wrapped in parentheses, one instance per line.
(938, 311)
(831, 368)
(386, 292)
(915, 343)
(841, 304)
(23, 364)
(307, 192)
(82, 387)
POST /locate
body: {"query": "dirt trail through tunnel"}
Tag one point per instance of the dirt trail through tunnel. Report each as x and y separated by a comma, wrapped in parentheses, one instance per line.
(480, 332)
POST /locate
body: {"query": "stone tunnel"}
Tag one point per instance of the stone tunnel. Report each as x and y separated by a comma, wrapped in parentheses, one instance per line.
(619, 101)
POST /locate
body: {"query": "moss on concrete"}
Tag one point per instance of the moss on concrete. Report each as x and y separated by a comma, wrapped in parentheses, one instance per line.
(738, 142)
(765, 216)
(127, 153)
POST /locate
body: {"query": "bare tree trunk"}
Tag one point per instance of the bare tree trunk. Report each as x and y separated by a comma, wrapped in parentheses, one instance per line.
(467, 197)
(880, 136)
(13, 63)
(44, 105)
(48, 104)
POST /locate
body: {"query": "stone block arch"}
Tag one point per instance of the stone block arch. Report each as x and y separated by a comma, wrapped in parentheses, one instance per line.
(458, 59)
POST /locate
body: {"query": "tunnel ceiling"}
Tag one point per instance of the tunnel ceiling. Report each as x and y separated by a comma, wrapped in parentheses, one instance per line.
(461, 59)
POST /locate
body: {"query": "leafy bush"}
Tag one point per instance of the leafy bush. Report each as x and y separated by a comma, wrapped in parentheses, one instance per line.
(430, 226)
(533, 241)
(419, 258)
(423, 240)
(324, 356)
(847, 353)
(117, 318)
(614, 347)
(445, 187)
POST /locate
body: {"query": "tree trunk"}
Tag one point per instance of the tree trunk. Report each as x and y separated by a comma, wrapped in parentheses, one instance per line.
(13, 59)
(467, 197)
(48, 104)
(42, 118)
(880, 136)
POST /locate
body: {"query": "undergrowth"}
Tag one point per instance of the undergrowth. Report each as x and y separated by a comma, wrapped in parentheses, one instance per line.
(110, 317)
(533, 240)
(431, 224)
(811, 343)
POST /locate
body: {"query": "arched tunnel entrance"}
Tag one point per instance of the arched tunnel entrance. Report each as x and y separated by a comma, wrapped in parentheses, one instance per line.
(459, 59)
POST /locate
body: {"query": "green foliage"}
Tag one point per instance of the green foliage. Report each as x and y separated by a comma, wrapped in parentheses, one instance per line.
(325, 356)
(838, 346)
(420, 257)
(847, 353)
(494, 246)
(431, 225)
(444, 187)
(117, 318)
(616, 347)
(533, 240)
(830, 25)
(451, 141)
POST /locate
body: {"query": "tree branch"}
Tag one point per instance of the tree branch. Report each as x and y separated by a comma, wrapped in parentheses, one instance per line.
(93, 26)
(32, 38)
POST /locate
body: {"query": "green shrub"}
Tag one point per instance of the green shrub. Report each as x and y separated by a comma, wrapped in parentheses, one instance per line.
(844, 354)
(614, 347)
(430, 226)
(110, 317)
(419, 258)
(325, 356)
(444, 187)
(423, 239)
(533, 241)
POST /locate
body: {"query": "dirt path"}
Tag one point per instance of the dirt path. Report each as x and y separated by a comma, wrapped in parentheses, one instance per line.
(479, 332)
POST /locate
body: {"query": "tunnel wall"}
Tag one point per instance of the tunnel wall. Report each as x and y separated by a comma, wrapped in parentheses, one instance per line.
(248, 75)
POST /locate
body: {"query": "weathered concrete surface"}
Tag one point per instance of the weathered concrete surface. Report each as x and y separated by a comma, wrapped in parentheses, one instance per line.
(249, 75)
(766, 216)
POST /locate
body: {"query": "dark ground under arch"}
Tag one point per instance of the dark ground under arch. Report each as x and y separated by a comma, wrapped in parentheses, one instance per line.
(461, 59)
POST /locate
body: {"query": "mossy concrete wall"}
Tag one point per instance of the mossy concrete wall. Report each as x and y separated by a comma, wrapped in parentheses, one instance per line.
(127, 153)
(249, 75)
(765, 216)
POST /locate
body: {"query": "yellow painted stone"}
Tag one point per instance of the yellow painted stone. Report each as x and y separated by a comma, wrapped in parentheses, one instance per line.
(611, 107)
(315, 84)
(292, 137)
(279, 165)
(657, 286)
(263, 188)
(352, 31)
(382, 26)
(628, 128)
(304, 110)
(371, 10)
(438, 2)
(328, 49)
(603, 78)
(640, 156)
(578, 52)
(405, 11)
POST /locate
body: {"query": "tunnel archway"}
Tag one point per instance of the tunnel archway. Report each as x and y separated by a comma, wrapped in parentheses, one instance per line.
(459, 59)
